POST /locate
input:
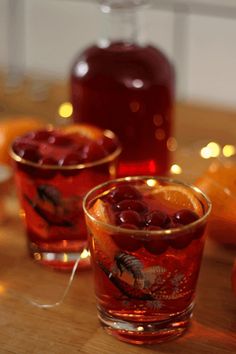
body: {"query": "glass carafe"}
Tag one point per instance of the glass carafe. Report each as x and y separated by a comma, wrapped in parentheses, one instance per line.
(127, 85)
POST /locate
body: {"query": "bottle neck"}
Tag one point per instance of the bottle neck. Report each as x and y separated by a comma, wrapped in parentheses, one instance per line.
(120, 25)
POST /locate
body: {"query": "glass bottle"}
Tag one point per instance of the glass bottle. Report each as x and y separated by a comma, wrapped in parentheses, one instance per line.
(127, 86)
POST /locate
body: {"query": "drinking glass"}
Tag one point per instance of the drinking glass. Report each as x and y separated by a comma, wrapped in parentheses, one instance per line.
(51, 200)
(145, 277)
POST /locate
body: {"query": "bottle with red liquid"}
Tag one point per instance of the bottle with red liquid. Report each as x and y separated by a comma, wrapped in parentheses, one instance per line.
(126, 85)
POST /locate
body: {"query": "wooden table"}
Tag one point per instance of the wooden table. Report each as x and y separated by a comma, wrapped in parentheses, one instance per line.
(73, 327)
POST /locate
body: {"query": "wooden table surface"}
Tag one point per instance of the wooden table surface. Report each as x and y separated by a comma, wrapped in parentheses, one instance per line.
(73, 327)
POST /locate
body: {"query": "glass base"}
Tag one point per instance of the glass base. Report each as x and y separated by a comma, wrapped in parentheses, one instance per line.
(146, 332)
(60, 260)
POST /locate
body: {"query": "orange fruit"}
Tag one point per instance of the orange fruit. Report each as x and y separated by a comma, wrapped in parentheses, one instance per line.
(87, 130)
(101, 212)
(178, 196)
(233, 277)
(12, 127)
(219, 183)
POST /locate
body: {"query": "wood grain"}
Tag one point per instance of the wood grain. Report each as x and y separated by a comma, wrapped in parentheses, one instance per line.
(73, 326)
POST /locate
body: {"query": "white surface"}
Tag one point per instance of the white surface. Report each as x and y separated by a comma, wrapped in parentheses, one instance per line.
(212, 60)
(3, 32)
(56, 30)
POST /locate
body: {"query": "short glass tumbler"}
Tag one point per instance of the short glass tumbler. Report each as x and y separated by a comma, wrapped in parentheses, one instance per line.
(51, 201)
(146, 261)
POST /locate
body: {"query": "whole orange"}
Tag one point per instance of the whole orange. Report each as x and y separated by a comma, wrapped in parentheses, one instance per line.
(10, 128)
(219, 183)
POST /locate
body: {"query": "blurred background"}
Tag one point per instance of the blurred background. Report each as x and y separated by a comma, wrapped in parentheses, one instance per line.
(40, 38)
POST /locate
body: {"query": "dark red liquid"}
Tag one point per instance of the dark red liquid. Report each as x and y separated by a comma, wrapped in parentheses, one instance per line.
(128, 89)
(56, 171)
(145, 277)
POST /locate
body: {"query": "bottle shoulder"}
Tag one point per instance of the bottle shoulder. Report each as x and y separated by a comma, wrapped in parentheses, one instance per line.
(119, 59)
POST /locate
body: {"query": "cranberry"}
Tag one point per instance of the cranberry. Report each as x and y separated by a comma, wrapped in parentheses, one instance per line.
(48, 161)
(60, 140)
(71, 159)
(131, 204)
(92, 152)
(129, 226)
(180, 241)
(126, 242)
(185, 216)
(199, 232)
(108, 144)
(29, 153)
(173, 224)
(124, 192)
(41, 135)
(129, 217)
(156, 246)
(153, 228)
(157, 218)
(20, 145)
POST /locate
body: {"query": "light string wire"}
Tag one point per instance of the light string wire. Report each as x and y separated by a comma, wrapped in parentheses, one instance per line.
(61, 299)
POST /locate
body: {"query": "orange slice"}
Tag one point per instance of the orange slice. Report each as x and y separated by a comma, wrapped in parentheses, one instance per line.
(86, 130)
(100, 211)
(178, 197)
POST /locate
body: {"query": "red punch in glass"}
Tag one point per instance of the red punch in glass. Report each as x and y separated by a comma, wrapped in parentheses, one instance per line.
(54, 168)
(146, 237)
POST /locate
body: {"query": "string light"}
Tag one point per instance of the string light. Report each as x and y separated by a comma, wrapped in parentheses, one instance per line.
(176, 169)
(151, 182)
(229, 150)
(65, 110)
(212, 149)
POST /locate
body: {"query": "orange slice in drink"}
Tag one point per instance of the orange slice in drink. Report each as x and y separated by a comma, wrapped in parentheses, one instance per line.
(100, 211)
(177, 197)
(86, 130)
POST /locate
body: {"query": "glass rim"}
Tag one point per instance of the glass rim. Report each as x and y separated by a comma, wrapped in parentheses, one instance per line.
(108, 158)
(166, 232)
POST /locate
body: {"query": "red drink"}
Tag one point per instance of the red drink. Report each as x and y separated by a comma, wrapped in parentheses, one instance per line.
(127, 87)
(53, 170)
(146, 241)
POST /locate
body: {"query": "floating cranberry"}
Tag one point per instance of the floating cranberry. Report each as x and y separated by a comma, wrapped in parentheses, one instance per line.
(180, 241)
(156, 246)
(124, 192)
(41, 135)
(129, 217)
(60, 140)
(132, 204)
(129, 226)
(157, 218)
(48, 161)
(185, 216)
(71, 159)
(93, 152)
(199, 232)
(153, 228)
(173, 224)
(29, 153)
(127, 242)
(108, 144)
